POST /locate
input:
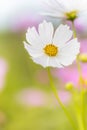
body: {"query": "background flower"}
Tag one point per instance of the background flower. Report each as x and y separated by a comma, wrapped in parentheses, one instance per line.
(32, 97)
(65, 9)
(65, 97)
(3, 72)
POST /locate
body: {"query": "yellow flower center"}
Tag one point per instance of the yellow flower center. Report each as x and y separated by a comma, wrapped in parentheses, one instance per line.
(51, 50)
(71, 15)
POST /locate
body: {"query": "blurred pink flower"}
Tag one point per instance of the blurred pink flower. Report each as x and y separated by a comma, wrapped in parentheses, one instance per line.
(81, 25)
(64, 97)
(37, 98)
(32, 97)
(3, 72)
(23, 22)
(70, 74)
(84, 46)
(67, 75)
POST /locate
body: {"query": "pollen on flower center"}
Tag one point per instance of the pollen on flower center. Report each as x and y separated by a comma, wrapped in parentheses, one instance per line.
(71, 15)
(51, 50)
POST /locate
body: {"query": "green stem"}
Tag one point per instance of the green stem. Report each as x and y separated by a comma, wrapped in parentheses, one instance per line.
(59, 101)
(80, 120)
(74, 30)
(78, 64)
(80, 109)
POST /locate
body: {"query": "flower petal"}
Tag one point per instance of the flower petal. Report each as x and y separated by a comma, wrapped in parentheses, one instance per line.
(69, 52)
(47, 61)
(62, 35)
(54, 8)
(71, 48)
(46, 31)
(42, 60)
(33, 37)
(34, 52)
(53, 62)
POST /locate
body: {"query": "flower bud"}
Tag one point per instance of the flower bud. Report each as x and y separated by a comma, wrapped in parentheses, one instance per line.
(83, 57)
(86, 81)
(69, 86)
(71, 15)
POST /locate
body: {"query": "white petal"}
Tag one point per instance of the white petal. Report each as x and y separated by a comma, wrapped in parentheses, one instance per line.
(42, 60)
(54, 14)
(62, 35)
(33, 37)
(46, 32)
(47, 61)
(69, 52)
(53, 62)
(55, 4)
(73, 4)
(34, 52)
(54, 8)
(71, 48)
(66, 60)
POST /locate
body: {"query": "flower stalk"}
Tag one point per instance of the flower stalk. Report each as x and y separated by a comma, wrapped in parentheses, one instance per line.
(80, 107)
(59, 101)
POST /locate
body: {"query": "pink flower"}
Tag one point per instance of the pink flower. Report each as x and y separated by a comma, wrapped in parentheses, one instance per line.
(64, 96)
(70, 74)
(32, 97)
(84, 46)
(3, 72)
(25, 21)
(81, 25)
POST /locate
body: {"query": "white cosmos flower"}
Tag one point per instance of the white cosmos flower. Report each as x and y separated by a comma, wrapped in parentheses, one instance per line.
(49, 48)
(66, 9)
